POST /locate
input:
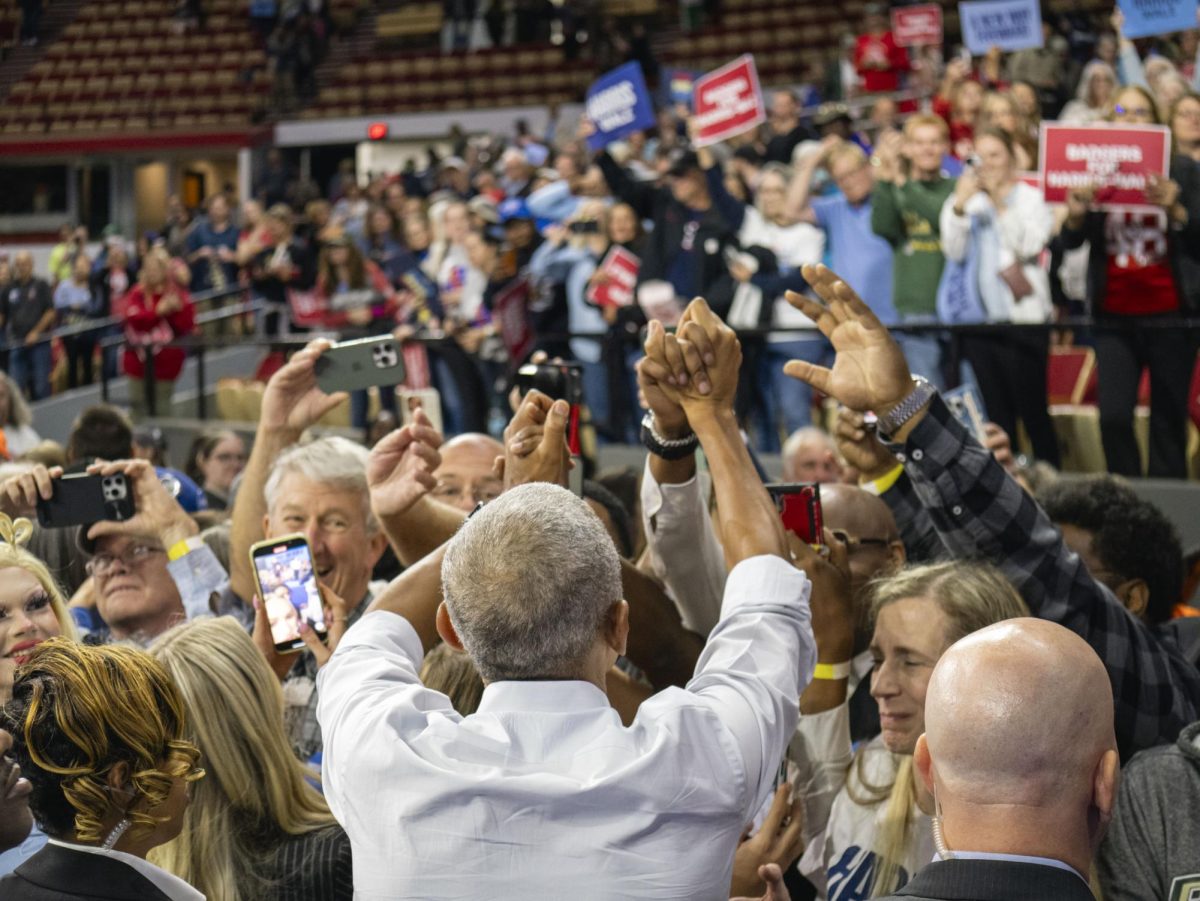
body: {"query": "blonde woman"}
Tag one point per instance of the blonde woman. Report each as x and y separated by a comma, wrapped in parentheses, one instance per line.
(255, 828)
(876, 836)
(32, 608)
(157, 311)
(99, 734)
(16, 419)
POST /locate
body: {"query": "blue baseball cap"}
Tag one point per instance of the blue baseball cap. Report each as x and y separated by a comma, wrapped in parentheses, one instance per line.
(513, 208)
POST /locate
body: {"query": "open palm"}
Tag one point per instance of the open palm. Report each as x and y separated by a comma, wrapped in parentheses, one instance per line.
(869, 371)
(292, 398)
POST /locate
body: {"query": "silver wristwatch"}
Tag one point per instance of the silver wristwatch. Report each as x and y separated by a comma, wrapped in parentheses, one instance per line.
(891, 421)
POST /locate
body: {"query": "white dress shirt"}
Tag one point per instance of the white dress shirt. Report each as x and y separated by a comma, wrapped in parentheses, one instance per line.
(543, 793)
(167, 883)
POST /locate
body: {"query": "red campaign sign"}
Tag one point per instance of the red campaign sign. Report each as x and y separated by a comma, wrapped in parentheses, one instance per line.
(917, 26)
(1116, 160)
(616, 290)
(510, 312)
(727, 101)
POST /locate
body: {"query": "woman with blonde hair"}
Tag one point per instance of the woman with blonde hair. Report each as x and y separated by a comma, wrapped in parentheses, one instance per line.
(255, 828)
(32, 608)
(157, 311)
(16, 419)
(99, 734)
(876, 835)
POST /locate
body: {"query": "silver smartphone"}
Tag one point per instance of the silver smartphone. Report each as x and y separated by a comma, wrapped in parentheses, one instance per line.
(359, 364)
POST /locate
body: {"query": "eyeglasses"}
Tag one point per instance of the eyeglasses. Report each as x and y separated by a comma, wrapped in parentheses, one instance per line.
(1130, 112)
(230, 458)
(133, 556)
(853, 543)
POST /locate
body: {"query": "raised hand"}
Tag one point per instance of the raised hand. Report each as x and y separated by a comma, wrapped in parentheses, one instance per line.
(869, 371)
(19, 494)
(697, 367)
(535, 443)
(156, 513)
(401, 466)
(336, 620)
(292, 400)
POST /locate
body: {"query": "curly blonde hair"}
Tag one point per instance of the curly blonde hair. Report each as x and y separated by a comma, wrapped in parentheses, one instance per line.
(78, 711)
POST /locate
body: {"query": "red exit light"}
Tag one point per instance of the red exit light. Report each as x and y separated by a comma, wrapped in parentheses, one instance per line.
(377, 131)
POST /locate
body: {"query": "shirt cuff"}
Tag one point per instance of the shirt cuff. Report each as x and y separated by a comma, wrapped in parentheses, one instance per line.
(198, 575)
(389, 630)
(764, 580)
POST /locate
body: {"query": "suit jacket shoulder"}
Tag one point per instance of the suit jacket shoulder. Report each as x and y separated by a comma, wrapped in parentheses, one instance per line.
(60, 874)
(992, 880)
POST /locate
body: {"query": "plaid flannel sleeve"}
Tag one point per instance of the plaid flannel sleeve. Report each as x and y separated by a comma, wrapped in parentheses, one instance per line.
(981, 513)
(922, 543)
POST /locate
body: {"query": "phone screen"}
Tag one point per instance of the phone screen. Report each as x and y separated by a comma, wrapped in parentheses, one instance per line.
(799, 508)
(288, 586)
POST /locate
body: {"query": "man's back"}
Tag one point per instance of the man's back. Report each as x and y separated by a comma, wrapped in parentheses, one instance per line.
(543, 789)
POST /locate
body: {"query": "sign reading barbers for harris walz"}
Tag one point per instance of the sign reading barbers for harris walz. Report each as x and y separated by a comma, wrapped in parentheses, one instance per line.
(917, 26)
(1146, 18)
(1117, 161)
(1007, 24)
(727, 102)
(618, 104)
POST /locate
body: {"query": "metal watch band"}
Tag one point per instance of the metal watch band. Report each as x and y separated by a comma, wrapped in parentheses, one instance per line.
(891, 422)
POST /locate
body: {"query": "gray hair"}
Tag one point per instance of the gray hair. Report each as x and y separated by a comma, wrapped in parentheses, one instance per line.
(19, 413)
(806, 435)
(333, 461)
(528, 582)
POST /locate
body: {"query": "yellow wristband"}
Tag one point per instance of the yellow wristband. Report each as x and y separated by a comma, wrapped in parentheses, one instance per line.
(883, 483)
(182, 548)
(832, 671)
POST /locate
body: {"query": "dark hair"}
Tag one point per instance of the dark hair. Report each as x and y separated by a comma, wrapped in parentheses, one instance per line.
(202, 447)
(103, 432)
(1132, 538)
(594, 491)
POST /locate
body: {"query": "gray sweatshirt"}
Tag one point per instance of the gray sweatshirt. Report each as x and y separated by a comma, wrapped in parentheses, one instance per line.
(1152, 850)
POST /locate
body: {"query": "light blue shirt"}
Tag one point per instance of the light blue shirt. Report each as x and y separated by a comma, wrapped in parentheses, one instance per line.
(1015, 858)
(856, 253)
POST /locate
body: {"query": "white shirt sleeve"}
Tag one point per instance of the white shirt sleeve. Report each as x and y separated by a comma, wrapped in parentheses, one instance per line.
(685, 554)
(757, 662)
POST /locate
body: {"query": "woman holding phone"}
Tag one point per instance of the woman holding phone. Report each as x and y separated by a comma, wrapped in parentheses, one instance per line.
(256, 829)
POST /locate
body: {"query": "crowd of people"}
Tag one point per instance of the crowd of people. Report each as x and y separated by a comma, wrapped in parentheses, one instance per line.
(654, 687)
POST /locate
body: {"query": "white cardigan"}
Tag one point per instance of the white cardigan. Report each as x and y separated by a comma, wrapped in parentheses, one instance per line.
(1023, 230)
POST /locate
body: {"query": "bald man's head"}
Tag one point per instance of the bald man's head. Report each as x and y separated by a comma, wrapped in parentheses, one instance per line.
(466, 475)
(866, 522)
(1019, 723)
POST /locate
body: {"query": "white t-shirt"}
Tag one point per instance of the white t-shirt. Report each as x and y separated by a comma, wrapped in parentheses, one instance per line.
(793, 246)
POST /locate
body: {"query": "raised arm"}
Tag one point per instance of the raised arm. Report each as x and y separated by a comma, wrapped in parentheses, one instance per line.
(980, 512)
(292, 402)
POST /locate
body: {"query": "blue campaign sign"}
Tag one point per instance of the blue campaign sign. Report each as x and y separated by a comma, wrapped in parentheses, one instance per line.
(1145, 18)
(1007, 24)
(618, 104)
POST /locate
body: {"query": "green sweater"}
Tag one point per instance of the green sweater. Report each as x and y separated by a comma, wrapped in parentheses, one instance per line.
(907, 218)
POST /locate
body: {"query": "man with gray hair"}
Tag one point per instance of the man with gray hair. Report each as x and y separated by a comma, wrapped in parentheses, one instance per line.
(810, 455)
(318, 489)
(543, 786)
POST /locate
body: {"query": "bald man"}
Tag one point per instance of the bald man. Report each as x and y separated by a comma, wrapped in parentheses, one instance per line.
(1020, 755)
(466, 477)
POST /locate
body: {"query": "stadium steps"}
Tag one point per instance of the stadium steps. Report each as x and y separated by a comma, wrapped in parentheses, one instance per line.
(19, 60)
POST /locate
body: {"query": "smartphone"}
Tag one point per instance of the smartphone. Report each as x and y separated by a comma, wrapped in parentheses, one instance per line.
(287, 585)
(360, 364)
(426, 399)
(799, 506)
(80, 499)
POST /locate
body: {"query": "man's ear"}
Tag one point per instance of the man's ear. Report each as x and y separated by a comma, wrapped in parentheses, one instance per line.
(897, 554)
(923, 762)
(616, 626)
(266, 524)
(1135, 595)
(1104, 792)
(378, 544)
(445, 628)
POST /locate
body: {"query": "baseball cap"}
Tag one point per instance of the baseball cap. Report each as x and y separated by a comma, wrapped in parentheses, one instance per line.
(513, 208)
(682, 161)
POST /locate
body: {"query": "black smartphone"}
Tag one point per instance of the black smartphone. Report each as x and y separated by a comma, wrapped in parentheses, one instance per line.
(799, 506)
(359, 364)
(80, 499)
(287, 585)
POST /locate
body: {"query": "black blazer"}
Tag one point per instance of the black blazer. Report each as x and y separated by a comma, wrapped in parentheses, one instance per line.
(993, 880)
(60, 874)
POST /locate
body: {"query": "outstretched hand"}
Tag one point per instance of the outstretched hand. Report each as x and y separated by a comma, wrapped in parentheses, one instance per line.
(401, 466)
(869, 371)
(535, 443)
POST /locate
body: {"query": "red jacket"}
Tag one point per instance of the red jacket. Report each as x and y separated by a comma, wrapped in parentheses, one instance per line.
(872, 47)
(144, 326)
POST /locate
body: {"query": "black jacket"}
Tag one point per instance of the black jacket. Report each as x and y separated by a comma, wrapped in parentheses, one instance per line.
(993, 880)
(1183, 245)
(61, 874)
(712, 236)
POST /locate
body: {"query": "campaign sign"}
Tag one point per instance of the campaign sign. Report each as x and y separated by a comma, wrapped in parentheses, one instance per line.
(616, 290)
(1007, 24)
(917, 26)
(618, 105)
(1117, 161)
(680, 83)
(510, 312)
(728, 101)
(1145, 18)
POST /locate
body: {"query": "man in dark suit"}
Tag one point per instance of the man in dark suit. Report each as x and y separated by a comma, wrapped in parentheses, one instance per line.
(1020, 756)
